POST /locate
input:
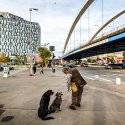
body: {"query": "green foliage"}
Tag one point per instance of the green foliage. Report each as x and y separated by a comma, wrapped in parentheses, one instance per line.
(25, 59)
(17, 59)
(94, 61)
(4, 58)
(44, 53)
(90, 60)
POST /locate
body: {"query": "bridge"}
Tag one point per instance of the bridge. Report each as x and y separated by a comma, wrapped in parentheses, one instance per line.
(100, 42)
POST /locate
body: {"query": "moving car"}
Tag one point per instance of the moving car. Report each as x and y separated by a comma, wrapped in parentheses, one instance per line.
(115, 66)
(83, 64)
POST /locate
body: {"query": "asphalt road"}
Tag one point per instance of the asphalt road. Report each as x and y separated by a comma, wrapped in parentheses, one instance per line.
(104, 75)
(103, 102)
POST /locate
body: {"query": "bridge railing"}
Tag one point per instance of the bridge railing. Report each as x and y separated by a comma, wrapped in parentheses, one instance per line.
(101, 37)
(111, 32)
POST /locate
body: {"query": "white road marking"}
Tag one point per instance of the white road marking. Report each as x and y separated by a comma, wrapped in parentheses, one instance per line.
(107, 91)
(89, 77)
(121, 75)
(107, 75)
(105, 79)
(93, 78)
(113, 75)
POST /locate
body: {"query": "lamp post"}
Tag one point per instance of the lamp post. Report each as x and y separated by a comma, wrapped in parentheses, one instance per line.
(96, 25)
(102, 13)
(11, 44)
(31, 65)
(45, 45)
(88, 26)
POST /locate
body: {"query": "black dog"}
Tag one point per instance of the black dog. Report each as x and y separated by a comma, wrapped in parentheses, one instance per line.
(55, 106)
(44, 103)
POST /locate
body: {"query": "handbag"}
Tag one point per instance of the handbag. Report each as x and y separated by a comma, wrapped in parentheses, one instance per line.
(74, 87)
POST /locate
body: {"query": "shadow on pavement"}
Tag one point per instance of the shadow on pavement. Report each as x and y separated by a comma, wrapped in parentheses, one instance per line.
(7, 118)
(1, 110)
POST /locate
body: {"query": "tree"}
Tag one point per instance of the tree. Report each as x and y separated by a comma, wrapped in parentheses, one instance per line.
(44, 54)
(124, 56)
(90, 60)
(17, 59)
(25, 59)
(4, 58)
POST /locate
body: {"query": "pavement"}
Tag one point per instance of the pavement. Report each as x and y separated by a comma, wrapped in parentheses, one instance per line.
(20, 95)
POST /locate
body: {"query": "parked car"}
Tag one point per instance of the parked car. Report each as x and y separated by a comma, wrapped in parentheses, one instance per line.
(115, 66)
(83, 64)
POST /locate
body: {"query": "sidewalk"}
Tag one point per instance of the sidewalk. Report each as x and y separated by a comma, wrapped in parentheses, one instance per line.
(20, 96)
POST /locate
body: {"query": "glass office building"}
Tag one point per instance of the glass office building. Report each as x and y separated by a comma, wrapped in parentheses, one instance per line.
(15, 35)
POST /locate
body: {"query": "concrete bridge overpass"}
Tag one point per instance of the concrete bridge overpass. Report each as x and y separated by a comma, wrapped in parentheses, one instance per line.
(113, 41)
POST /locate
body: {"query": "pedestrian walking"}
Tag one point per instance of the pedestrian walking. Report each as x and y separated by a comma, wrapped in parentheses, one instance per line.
(34, 68)
(76, 82)
(41, 69)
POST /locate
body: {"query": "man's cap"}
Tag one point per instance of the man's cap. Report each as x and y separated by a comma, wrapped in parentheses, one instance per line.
(65, 68)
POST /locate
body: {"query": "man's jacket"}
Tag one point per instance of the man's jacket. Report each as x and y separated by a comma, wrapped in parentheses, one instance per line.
(77, 78)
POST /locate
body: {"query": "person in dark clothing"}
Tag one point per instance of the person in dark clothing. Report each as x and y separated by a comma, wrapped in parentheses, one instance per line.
(41, 69)
(73, 76)
(34, 68)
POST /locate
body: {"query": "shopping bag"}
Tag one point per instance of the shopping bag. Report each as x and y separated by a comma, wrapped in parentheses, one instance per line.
(74, 87)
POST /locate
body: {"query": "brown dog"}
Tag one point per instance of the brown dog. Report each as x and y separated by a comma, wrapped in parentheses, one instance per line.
(55, 106)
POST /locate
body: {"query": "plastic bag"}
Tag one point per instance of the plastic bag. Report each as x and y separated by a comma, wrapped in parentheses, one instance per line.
(74, 87)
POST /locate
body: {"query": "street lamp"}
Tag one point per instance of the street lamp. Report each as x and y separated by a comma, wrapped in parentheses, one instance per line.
(45, 44)
(10, 54)
(31, 65)
(96, 25)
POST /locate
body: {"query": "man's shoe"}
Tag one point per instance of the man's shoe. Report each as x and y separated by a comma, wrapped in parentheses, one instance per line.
(72, 107)
(78, 105)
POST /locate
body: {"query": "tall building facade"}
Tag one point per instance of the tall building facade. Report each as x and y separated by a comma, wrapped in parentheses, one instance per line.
(15, 35)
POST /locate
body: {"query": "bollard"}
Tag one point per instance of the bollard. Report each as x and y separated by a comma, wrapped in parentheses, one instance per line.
(118, 81)
(96, 76)
(6, 71)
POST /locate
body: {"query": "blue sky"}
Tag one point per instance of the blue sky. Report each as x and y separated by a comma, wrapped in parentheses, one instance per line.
(56, 17)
